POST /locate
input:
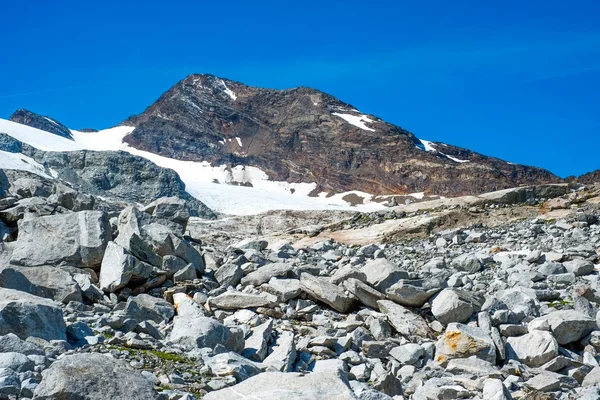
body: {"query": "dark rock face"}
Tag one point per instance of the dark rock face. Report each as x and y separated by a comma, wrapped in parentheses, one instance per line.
(114, 174)
(294, 135)
(47, 124)
(590, 177)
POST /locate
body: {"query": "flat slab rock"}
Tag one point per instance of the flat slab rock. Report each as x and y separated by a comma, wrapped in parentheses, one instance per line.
(289, 386)
(93, 377)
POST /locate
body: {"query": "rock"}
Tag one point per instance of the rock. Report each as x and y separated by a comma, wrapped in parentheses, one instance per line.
(534, 349)
(468, 263)
(473, 366)
(173, 264)
(363, 292)
(145, 307)
(266, 272)
(494, 389)
(284, 289)
(255, 347)
(202, 332)
(346, 272)
(186, 274)
(592, 378)
(116, 269)
(130, 237)
(232, 364)
(452, 305)
(16, 361)
(26, 316)
(382, 274)
(49, 282)
(234, 300)
(169, 208)
(93, 377)
(229, 274)
(543, 383)
(441, 388)
(42, 241)
(12, 343)
(568, 326)
(413, 293)
(283, 356)
(463, 341)
(404, 321)
(579, 267)
(322, 290)
(409, 353)
(289, 386)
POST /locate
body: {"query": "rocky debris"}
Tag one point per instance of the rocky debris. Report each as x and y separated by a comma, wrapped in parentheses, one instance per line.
(494, 311)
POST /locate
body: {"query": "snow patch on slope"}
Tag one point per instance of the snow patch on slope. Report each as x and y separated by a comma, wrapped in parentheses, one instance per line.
(21, 162)
(241, 190)
(228, 91)
(428, 146)
(356, 120)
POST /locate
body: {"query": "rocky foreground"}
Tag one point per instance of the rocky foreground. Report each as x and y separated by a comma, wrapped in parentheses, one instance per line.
(489, 297)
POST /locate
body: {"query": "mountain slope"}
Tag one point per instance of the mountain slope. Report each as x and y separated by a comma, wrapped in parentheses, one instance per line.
(304, 135)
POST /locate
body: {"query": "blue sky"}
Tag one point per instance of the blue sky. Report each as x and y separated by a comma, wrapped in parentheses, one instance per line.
(519, 80)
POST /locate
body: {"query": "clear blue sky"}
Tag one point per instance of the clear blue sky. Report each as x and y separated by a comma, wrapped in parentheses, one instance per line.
(519, 80)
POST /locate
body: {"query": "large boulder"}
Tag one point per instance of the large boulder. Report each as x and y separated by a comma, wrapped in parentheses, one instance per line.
(130, 237)
(169, 208)
(92, 376)
(234, 300)
(77, 239)
(289, 386)
(116, 269)
(452, 305)
(49, 282)
(266, 272)
(322, 290)
(382, 274)
(27, 315)
(568, 325)
(533, 349)
(144, 307)
(201, 332)
(404, 321)
(414, 293)
(463, 341)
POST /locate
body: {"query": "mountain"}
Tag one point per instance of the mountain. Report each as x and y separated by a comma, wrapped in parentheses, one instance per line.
(590, 177)
(47, 124)
(304, 135)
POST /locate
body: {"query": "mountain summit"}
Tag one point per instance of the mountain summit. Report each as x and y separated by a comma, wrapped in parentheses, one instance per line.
(304, 135)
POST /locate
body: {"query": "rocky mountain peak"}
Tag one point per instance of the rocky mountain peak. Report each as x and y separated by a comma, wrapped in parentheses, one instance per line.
(47, 124)
(304, 135)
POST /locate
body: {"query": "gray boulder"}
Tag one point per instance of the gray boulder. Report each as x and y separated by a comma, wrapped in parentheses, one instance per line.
(116, 269)
(533, 349)
(568, 325)
(322, 290)
(202, 332)
(45, 281)
(289, 386)
(404, 321)
(145, 307)
(130, 237)
(234, 300)
(77, 239)
(452, 305)
(463, 341)
(26, 315)
(579, 267)
(382, 274)
(266, 272)
(93, 377)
